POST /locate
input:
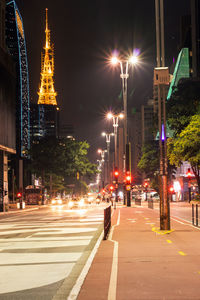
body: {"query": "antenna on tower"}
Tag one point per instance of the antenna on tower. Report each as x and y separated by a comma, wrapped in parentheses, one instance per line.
(47, 30)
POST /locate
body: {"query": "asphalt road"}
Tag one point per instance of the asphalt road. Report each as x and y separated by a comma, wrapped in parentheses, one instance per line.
(42, 252)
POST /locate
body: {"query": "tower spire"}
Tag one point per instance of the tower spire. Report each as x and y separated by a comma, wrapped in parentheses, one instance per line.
(47, 31)
(47, 94)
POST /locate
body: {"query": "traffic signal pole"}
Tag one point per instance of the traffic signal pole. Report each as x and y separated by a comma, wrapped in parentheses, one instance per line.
(128, 169)
(116, 175)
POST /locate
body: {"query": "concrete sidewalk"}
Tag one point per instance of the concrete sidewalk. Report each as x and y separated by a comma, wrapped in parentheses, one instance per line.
(14, 209)
(138, 261)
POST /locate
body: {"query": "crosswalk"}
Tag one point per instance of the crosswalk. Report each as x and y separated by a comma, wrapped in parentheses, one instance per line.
(41, 250)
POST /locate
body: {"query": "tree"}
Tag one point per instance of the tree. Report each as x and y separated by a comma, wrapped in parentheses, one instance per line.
(61, 158)
(186, 147)
(183, 104)
(149, 163)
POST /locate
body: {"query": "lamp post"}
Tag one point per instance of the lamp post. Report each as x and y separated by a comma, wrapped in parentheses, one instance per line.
(115, 119)
(102, 153)
(108, 135)
(124, 66)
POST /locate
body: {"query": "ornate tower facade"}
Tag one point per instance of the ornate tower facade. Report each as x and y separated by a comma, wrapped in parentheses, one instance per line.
(16, 44)
(47, 94)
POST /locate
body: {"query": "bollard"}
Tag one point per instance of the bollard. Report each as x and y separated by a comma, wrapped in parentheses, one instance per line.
(192, 214)
(197, 215)
(107, 221)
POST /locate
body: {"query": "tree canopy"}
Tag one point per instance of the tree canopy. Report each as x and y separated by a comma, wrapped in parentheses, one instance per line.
(186, 146)
(183, 104)
(63, 157)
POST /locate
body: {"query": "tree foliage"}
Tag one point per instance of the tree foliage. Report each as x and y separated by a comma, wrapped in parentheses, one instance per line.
(149, 162)
(183, 104)
(62, 157)
(186, 146)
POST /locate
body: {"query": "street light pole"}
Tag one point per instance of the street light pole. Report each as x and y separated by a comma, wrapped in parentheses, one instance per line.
(115, 119)
(102, 152)
(108, 135)
(124, 66)
(124, 77)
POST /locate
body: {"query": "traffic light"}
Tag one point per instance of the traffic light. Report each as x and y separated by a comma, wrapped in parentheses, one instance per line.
(146, 184)
(19, 195)
(116, 175)
(171, 189)
(128, 177)
(189, 173)
(111, 188)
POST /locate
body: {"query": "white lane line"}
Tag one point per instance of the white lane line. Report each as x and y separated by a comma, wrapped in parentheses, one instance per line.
(178, 221)
(36, 258)
(114, 270)
(39, 239)
(189, 223)
(43, 244)
(76, 288)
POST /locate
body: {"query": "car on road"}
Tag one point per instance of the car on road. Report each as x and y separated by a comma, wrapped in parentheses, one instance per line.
(76, 203)
(56, 201)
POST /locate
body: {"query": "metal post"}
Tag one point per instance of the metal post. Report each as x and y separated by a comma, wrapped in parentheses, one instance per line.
(50, 186)
(197, 223)
(189, 191)
(128, 168)
(192, 214)
(21, 182)
(157, 32)
(115, 133)
(164, 205)
(108, 162)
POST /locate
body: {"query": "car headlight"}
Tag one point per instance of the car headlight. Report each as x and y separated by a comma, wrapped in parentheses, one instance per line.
(60, 201)
(70, 204)
(53, 201)
(81, 202)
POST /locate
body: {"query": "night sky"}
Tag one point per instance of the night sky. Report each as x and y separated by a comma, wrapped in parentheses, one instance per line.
(84, 33)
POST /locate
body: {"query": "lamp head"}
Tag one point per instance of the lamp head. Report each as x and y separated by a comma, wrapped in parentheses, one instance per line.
(114, 60)
(109, 115)
(133, 59)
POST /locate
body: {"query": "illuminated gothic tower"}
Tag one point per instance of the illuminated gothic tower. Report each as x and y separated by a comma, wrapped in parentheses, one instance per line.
(47, 94)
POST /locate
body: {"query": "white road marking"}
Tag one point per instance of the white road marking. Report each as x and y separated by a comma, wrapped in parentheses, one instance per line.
(44, 244)
(50, 238)
(17, 278)
(76, 289)
(114, 270)
(34, 267)
(36, 258)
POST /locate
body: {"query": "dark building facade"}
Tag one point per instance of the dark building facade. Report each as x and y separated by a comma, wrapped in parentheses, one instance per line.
(44, 121)
(195, 22)
(7, 111)
(15, 41)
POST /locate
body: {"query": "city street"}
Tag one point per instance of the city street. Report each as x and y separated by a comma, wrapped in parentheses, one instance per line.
(44, 250)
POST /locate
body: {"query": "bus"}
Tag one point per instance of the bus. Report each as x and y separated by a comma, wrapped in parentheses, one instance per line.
(33, 194)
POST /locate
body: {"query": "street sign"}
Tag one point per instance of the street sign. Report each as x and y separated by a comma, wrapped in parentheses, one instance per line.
(128, 187)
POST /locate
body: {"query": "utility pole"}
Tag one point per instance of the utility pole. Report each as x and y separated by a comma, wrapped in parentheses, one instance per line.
(161, 82)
